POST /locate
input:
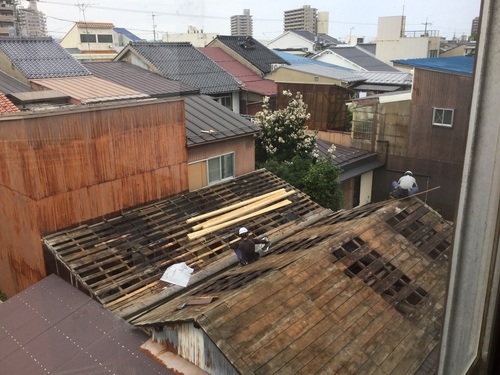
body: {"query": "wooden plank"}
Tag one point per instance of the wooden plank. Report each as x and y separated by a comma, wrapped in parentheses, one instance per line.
(233, 206)
(203, 232)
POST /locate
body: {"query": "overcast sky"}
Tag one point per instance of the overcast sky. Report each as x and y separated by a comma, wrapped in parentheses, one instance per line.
(359, 17)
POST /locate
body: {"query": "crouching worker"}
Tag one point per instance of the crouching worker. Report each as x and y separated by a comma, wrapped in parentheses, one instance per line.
(245, 248)
(406, 186)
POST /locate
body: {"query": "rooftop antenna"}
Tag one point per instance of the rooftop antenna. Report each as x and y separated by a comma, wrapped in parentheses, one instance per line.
(82, 8)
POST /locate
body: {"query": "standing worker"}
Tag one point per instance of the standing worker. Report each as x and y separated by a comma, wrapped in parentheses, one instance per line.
(406, 186)
(245, 248)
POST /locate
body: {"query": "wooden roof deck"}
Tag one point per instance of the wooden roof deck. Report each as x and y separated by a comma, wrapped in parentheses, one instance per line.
(120, 261)
(359, 292)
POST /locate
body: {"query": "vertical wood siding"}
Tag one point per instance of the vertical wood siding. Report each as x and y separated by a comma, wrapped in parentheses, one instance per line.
(62, 168)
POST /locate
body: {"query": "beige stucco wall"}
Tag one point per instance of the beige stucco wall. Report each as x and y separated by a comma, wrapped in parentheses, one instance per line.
(293, 76)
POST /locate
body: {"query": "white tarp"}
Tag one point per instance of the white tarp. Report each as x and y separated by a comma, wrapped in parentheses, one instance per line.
(178, 274)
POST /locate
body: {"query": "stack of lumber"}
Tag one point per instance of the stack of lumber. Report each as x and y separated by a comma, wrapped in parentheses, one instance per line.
(233, 214)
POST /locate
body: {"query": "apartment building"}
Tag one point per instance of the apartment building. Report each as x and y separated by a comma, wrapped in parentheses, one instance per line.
(242, 25)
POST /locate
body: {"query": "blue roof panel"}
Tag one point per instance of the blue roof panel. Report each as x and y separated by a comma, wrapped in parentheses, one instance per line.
(300, 60)
(453, 64)
(128, 34)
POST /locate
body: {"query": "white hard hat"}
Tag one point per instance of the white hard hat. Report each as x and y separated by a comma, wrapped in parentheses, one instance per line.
(242, 230)
(408, 173)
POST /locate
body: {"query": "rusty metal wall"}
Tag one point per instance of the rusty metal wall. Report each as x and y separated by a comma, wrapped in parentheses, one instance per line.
(63, 167)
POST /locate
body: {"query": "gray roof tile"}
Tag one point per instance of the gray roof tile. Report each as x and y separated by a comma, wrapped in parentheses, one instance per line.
(254, 52)
(183, 62)
(8, 84)
(41, 58)
(142, 80)
(363, 58)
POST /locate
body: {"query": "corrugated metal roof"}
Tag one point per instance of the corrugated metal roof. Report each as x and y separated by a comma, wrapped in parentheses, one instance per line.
(207, 121)
(183, 62)
(9, 84)
(253, 51)
(333, 73)
(6, 106)
(388, 78)
(453, 64)
(251, 81)
(89, 89)
(128, 34)
(142, 80)
(361, 57)
(369, 47)
(300, 60)
(41, 58)
(53, 328)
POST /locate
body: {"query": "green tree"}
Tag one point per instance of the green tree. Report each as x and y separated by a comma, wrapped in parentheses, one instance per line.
(285, 148)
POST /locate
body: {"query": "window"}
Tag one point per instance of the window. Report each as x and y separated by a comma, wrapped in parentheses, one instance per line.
(106, 38)
(220, 168)
(225, 101)
(433, 53)
(361, 130)
(87, 38)
(442, 117)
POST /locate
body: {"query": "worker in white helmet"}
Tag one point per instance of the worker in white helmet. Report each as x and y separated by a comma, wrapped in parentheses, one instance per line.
(245, 248)
(406, 186)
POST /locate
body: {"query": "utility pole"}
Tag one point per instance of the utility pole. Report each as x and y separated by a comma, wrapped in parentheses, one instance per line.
(154, 26)
(426, 24)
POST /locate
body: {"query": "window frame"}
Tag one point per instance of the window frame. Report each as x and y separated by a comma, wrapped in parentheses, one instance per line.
(221, 167)
(88, 37)
(443, 124)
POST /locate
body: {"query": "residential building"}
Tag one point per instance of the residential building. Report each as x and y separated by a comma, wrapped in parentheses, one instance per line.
(424, 130)
(305, 18)
(96, 40)
(8, 24)
(323, 22)
(474, 30)
(302, 40)
(183, 62)
(253, 88)
(353, 57)
(395, 42)
(251, 53)
(317, 280)
(32, 22)
(242, 25)
(198, 38)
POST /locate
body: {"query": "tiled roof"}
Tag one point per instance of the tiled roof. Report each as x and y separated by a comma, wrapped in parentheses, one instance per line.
(142, 80)
(51, 327)
(333, 73)
(89, 89)
(183, 62)
(207, 121)
(300, 60)
(453, 64)
(362, 58)
(128, 34)
(41, 58)
(357, 292)
(9, 84)
(253, 51)
(95, 25)
(251, 81)
(6, 106)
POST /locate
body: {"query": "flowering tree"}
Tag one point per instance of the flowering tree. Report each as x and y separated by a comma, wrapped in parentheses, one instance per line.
(283, 133)
(286, 149)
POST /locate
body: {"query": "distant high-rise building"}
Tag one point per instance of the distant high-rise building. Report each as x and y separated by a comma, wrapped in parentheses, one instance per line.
(305, 18)
(8, 18)
(32, 22)
(474, 30)
(242, 24)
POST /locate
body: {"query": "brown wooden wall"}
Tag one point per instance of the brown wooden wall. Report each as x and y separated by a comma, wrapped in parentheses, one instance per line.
(58, 169)
(434, 154)
(325, 103)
